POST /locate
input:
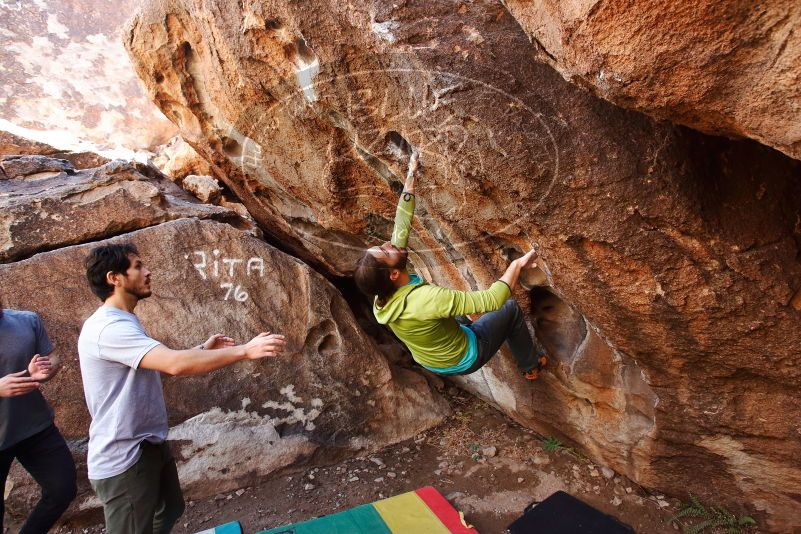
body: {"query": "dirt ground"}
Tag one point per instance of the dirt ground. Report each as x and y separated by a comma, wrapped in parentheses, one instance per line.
(486, 465)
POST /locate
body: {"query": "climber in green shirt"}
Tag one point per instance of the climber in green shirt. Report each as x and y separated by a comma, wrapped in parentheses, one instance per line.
(431, 320)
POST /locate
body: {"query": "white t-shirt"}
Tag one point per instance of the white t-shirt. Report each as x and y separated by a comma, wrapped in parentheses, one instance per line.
(126, 403)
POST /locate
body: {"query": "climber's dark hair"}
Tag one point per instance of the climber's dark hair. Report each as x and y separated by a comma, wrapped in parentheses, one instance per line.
(113, 258)
(372, 278)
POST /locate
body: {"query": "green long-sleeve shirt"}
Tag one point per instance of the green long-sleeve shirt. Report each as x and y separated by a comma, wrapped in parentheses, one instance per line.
(422, 315)
(403, 220)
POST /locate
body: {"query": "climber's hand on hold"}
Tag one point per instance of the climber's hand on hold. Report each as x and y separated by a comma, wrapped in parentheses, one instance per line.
(528, 260)
(512, 274)
(410, 174)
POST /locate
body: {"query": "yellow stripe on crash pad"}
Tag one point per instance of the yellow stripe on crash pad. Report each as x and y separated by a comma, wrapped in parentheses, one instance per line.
(407, 513)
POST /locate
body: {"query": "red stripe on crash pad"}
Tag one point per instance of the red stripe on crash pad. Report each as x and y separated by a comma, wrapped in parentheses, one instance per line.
(443, 510)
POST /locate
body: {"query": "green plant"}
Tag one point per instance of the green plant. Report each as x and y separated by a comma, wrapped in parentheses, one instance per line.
(475, 451)
(551, 444)
(714, 517)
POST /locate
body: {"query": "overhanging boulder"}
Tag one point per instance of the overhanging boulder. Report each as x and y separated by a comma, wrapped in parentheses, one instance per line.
(726, 68)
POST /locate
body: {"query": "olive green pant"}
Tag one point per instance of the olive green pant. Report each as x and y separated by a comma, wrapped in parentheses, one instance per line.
(145, 499)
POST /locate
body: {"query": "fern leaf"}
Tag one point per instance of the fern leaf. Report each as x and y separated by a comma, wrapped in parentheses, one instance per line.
(697, 529)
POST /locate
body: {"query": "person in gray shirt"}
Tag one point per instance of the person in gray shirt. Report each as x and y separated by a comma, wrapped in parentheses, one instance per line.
(129, 462)
(27, 432)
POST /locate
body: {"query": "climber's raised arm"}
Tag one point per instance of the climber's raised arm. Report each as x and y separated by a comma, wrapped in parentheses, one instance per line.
(405, 211)
(414, 159)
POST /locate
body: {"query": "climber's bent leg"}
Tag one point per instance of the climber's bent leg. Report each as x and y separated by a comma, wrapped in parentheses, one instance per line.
(504, 325)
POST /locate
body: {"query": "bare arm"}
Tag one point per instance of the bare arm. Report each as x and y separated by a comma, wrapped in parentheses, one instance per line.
(199, 361)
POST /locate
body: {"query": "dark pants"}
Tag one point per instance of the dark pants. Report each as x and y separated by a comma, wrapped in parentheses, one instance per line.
(146, 498)
(506, 324)
(47, 458)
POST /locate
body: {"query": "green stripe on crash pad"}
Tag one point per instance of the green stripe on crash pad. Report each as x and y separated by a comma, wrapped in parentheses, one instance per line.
(363, 519)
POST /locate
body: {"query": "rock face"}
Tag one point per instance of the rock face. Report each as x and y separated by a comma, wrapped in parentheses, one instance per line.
(669, 258)
(205, 188)
(14, 145)
(45, 203)
(65, 73)
(730, 68)
(178, 159)
(332, 394)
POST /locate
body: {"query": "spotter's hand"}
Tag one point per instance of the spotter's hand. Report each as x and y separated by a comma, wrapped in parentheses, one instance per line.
(265, 345)
(15, 384)
(40, 367)
(218, 341)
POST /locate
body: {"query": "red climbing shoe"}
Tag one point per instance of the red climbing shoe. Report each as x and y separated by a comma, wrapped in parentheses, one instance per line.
(535, 373)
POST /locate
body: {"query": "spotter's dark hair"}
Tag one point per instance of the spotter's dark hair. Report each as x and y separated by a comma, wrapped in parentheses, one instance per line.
(115, 258)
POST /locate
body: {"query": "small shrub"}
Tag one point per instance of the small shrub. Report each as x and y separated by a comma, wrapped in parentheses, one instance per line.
(551, 444)
(475, 451)
(714, 518)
